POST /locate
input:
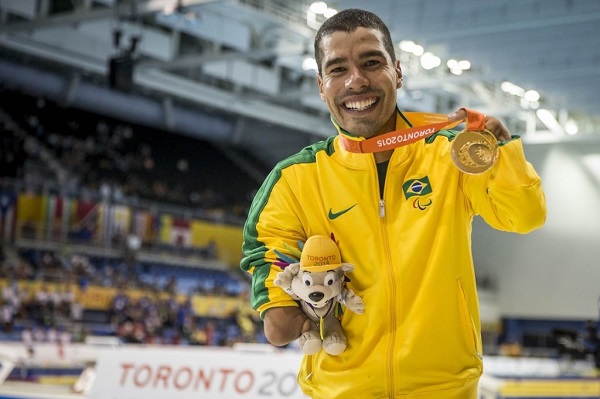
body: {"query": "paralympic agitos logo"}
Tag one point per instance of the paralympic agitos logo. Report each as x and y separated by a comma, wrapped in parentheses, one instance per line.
(418, 188)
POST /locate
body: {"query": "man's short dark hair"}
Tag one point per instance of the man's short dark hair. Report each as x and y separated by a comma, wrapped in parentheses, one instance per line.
(348, 21)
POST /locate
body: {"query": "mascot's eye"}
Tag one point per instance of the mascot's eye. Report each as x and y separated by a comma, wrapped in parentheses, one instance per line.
(330, 279)
(307, 279)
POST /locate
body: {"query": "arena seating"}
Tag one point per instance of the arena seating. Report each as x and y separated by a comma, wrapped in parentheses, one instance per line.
(181, 295)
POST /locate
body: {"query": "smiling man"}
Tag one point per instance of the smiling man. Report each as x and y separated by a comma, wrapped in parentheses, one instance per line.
(401, 214)
(358, 81)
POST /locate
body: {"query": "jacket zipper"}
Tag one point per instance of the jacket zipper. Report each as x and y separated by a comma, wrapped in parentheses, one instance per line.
(386, 248)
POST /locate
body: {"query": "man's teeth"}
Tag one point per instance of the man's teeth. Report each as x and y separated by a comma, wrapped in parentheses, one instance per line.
(360, 105)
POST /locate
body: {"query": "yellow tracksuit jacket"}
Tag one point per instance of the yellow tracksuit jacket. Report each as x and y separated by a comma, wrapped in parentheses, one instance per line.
(420, 334)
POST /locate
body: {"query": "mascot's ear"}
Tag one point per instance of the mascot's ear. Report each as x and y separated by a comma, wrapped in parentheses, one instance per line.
(347, 267)
(294, 267)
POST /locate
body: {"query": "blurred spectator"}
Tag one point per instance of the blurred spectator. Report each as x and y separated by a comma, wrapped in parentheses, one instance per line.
(27, 339)
(7, 315)
(13, 299)
(80, 155)
(43, 305)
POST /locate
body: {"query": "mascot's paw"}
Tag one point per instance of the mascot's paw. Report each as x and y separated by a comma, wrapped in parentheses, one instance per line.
(284, 278)
(310, 342)
(334, 344)
(354, 303)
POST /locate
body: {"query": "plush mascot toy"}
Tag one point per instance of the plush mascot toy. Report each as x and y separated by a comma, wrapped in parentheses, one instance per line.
(318, 283)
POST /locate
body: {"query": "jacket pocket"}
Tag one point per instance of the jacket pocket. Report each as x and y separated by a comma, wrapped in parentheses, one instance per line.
(467, 320)
(305, 375)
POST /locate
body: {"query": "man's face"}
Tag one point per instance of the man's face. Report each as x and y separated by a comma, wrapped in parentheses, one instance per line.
(358, 82)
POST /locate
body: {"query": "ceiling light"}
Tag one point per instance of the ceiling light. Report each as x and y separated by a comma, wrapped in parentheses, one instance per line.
(430, 61)
(531, 95)
(318, 7)
(407, 45)
(458, 67)
(330, 12)
(512, 88)
(418, 50)
(309, 63)
(518, 91)
(464, 65)
(549, 120)
(571, 127)
(411, 47)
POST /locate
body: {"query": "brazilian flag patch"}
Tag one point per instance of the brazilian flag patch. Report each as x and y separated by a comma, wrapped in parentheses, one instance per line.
(416, 187)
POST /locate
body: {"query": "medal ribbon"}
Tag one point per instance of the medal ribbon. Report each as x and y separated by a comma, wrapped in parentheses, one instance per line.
(321, 324)
(424, 125)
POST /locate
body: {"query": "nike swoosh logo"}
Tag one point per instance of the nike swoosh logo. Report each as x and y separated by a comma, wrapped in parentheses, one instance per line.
(335, 215)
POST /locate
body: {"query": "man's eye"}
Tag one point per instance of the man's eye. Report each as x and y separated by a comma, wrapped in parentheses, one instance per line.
(337, 70)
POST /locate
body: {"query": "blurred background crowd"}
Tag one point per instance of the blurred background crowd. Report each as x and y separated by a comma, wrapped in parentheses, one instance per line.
(115, 230)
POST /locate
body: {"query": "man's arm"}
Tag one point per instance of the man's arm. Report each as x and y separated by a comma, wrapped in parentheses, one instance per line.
(492, 124)
(285, 324)
(272, 229)
(510, 196)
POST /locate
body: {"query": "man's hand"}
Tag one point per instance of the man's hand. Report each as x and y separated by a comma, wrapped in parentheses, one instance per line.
(496, 127)
(284, 325)
(491, 124)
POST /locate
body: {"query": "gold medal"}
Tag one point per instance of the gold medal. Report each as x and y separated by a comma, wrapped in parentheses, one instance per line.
(474, 152)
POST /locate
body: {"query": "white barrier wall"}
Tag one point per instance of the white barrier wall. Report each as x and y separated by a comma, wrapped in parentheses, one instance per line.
(253, 372)
(195, 373)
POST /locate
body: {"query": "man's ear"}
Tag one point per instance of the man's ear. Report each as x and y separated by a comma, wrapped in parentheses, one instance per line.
(320, 84)
(399, 78)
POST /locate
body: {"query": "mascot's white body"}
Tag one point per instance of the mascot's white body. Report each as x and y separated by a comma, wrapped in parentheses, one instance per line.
(318, 283)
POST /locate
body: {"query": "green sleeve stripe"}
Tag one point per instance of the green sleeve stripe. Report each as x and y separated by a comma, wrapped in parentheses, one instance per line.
(254, 250)
(449, 134)
(512, 138)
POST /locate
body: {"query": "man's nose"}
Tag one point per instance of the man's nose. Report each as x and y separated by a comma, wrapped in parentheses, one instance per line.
(356, 79)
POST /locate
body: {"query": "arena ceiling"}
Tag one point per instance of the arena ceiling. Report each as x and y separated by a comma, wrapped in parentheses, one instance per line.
(232, 70)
